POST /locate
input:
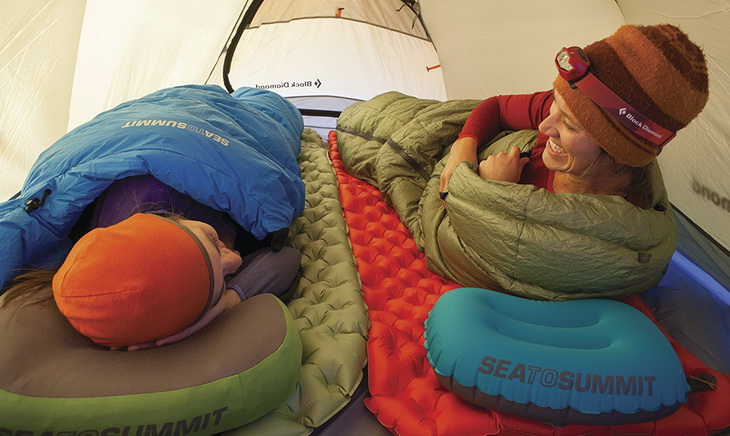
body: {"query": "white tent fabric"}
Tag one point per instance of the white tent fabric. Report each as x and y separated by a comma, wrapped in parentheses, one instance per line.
(129, 49)
(289, 49)
(391, 46)
(38, 45)
(63, 62)
(509, 47)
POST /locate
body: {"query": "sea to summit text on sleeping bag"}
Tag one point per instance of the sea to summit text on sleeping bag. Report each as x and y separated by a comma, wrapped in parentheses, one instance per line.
(630, 385)
(179, 125)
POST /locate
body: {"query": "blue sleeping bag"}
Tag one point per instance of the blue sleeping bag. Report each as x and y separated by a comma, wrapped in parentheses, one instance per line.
(236, 153)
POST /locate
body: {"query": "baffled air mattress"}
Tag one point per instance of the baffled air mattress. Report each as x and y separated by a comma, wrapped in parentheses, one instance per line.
(328, 308)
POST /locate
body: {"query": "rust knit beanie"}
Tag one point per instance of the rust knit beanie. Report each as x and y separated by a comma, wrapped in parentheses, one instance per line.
(657, 70)
(134, 282)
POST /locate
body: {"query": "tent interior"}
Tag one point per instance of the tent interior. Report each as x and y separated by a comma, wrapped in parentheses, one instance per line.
(63, 62)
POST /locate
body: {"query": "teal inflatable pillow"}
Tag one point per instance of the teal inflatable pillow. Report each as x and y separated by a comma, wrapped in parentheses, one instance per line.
(596, 361)
(55, 381)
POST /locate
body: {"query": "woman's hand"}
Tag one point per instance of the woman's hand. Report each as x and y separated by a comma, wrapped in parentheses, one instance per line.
(229, 298)
(506, 167)
(464, 149)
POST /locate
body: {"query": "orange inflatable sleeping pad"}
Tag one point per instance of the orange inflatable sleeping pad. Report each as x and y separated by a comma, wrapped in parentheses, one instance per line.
(400, 291)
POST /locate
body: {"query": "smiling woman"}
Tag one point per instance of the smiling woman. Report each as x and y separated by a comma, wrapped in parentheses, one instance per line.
(584, 144)
(547, 195)
(578, 162)
(588, 140)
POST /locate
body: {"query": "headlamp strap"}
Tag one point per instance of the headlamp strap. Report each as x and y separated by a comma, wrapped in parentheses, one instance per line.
(622, 111)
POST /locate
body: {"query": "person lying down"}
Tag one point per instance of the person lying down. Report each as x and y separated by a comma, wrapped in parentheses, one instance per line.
(554, 195)
(159, 215)
(153, 279)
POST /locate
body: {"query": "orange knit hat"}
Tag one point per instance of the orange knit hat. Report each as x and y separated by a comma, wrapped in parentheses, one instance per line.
(134, 282)
(657, 70)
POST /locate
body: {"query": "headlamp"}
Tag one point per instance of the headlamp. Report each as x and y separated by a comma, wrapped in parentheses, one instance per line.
(574, 66)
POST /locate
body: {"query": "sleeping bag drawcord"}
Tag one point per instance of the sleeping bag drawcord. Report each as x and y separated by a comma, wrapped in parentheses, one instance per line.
(702, 382)
(278, 239)
(35, 203)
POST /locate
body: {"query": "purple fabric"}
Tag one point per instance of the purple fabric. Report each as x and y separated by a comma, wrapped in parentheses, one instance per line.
(145, 193)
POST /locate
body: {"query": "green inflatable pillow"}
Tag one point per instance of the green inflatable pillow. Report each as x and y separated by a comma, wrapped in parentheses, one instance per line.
(52, 379)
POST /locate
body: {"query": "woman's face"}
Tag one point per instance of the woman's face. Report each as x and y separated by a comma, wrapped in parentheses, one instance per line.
(224, 260)
(569, 148)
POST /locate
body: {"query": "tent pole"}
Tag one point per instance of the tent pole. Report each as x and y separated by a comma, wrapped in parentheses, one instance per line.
(247, 19)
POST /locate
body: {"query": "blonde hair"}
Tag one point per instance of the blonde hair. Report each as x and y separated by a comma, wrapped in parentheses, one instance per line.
(640, 187)
(32, 286)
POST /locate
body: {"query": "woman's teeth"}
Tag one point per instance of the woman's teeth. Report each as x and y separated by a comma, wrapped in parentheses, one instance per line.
(556, 148)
